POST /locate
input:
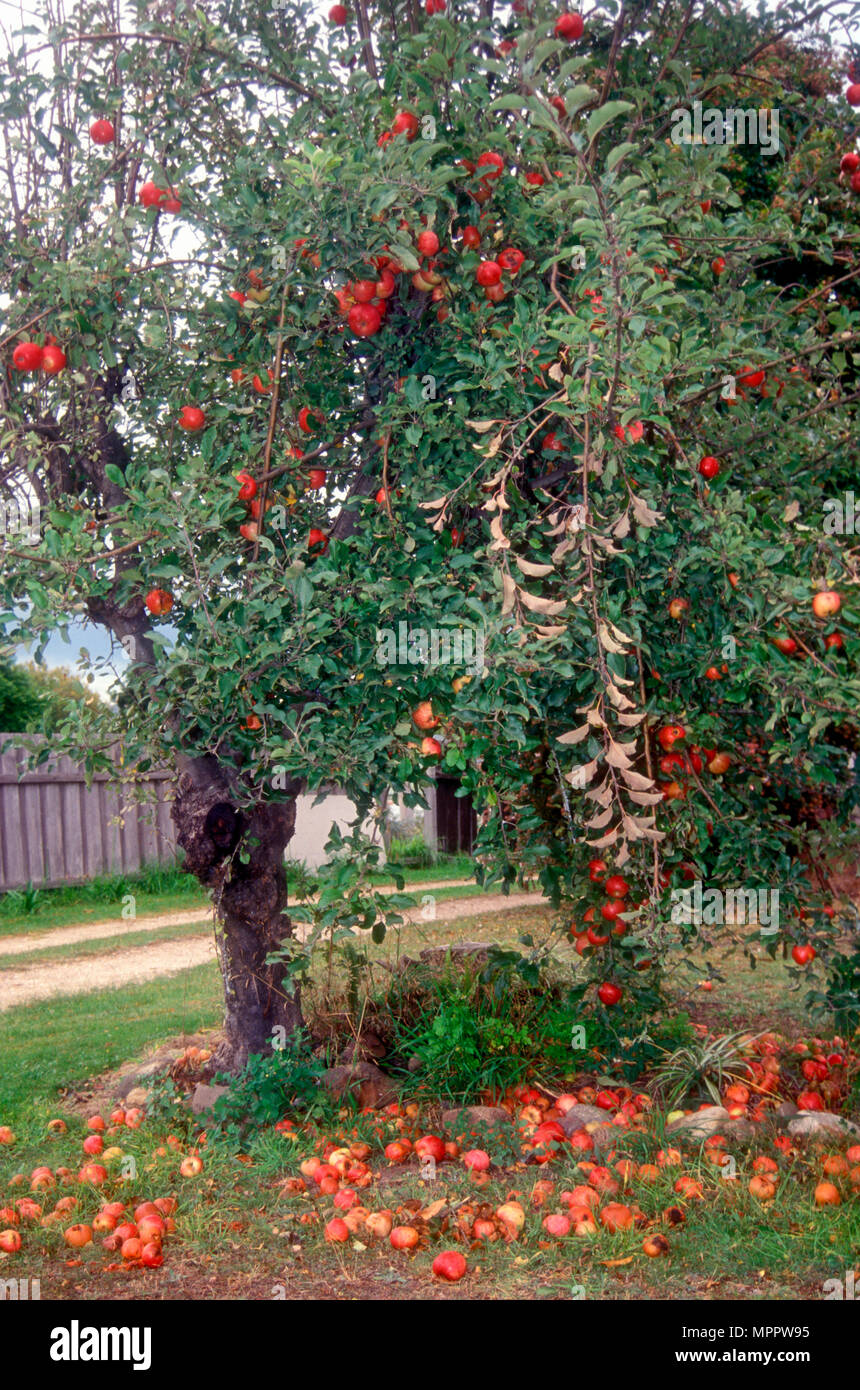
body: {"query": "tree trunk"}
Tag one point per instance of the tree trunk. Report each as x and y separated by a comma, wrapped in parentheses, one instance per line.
(250, 899)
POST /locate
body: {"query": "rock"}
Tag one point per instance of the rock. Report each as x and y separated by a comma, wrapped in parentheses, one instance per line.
(785, 1110)
(367, 1046)
(808, 1123)
(414, 1064)
(372, 1088)
(739, 1129)
(493, 1116)
(702, 1123)
(138, 1095)
(204, 1096)
(130, 1082)
(604, 1137)
(459, 955)
(578, 1116)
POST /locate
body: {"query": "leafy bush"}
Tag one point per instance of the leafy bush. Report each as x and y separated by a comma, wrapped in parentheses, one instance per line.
(287, 1080)
(153, 879)
(411, 854)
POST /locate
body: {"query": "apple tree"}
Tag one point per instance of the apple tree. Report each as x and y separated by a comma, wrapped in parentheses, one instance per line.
(412, 388)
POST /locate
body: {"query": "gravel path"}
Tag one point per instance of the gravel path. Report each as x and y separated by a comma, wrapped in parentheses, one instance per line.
(121, 926)
(137, 964)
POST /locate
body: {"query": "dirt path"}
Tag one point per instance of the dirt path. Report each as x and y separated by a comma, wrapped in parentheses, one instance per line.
(97, 931)
(137, 964)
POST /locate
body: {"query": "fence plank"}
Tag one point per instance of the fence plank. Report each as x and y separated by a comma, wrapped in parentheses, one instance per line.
(54, 829)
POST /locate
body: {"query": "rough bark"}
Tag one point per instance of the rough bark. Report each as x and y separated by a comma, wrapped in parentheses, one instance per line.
(250, 901)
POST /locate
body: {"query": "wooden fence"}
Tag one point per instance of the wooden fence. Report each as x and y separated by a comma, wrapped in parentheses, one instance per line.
(54, 829)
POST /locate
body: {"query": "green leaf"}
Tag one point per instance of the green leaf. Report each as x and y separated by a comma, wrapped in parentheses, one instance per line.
(615, 156)
(606, 113)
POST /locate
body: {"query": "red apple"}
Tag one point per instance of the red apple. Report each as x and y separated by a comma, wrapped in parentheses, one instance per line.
(191, 418)
(102, 132)
(569, 26)
(449, 1265)
(27, 357)
(825, 604)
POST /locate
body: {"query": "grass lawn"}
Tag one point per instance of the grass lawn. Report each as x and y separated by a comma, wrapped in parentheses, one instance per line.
(103, 900)
(242, 1234)
(64, 1041)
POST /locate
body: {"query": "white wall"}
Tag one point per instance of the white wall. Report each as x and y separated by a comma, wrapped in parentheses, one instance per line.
(313, 824)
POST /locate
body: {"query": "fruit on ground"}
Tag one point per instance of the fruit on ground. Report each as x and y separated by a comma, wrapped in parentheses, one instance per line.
(404, 1237)
(809, 1100)
(6, 1135)
(556, 1225)
(336, 1230)
(379, 1224)
(616, 1217)
(430, 1146)
(827, 1195)
(10, 1242)
(762, 1188)
(78, 1236)
(449, 1265)
(93, 1173)
(655, 1246)
(191, 1166)
(512, 1216)
(477, 1160)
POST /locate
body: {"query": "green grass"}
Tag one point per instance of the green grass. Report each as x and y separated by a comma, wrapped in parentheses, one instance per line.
(161, 891)
(73, 912)
(239, 1233)
(63, 1042)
